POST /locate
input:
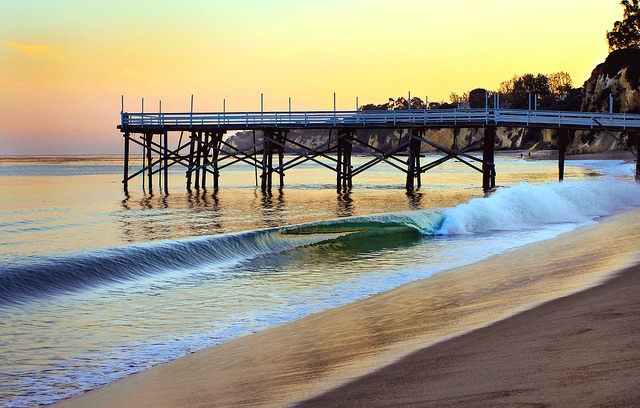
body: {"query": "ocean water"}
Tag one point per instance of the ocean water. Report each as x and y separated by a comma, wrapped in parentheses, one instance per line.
(96, 285)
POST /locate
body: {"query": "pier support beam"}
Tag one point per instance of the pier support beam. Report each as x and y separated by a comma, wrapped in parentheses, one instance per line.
(166, 161)
(274, 141)
(206, 152)
(217, 145)
(563, 142)
(413, 164)
(148, 140)
(192, 146)
(344, 169)
(197, 160)
(125, 180)
(488, 165)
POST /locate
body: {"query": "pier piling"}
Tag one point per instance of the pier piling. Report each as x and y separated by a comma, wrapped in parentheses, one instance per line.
(488, 165)
(344, 169)
(413, 164)
(563, 142)
(125, 179)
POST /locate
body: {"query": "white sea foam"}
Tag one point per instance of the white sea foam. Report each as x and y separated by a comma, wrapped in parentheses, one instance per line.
(527, 206)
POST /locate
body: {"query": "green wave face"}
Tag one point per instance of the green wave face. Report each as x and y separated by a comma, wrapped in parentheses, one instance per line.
(420, 223)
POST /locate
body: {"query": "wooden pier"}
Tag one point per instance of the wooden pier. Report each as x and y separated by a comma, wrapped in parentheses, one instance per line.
(202, 150)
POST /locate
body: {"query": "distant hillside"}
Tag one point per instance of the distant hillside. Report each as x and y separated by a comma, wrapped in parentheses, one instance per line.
(618, 75)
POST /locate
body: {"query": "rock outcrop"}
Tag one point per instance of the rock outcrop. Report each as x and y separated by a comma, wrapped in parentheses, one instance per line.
(618, 76)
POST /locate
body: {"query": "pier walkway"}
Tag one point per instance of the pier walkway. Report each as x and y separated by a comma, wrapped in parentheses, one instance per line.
(207, 152)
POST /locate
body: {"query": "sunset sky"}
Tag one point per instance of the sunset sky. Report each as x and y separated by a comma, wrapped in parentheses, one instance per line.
(64, 64)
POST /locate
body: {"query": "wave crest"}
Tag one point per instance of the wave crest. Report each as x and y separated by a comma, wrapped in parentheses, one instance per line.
(527, 205)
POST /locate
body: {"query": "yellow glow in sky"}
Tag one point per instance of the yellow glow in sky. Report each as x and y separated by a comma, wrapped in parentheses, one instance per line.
(65, 64)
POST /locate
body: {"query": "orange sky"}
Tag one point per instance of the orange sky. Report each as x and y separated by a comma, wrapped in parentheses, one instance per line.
(64, 64)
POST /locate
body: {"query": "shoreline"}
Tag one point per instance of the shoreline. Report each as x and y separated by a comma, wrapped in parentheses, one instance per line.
(293, 362)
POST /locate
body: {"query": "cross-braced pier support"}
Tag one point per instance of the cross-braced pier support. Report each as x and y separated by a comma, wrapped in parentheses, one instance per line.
(149, 165)
(204, 152)
(274, 142)
(344, 168)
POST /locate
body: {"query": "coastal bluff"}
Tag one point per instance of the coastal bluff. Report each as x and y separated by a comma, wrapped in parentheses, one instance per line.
(617, 76)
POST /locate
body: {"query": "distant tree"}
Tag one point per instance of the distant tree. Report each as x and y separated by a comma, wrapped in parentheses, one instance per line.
(560, 84)
(506, 87)
(417, 103)
(626, 33)
(401, 103)
(371, 106)
(532, 84)
(454, 98)
(478, 98)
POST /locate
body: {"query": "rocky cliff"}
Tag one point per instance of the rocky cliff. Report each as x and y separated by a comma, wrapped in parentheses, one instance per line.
(617, 76)
(388, 139)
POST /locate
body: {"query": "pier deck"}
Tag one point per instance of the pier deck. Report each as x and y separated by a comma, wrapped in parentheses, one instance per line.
(372, 119)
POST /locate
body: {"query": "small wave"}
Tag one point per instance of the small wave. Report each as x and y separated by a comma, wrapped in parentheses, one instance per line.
(46, 277)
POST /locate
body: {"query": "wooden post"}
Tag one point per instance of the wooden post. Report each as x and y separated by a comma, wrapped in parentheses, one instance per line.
(410, 166)
(205, 158)
(191, 153)
(166, 163)
(344, 169)
(266, 163)
(270, 167)
(339, 166)
(255, 156)
(196, 182)
(346, 162)
(282, 140)
(148, 140)
(125, 180)
(417, 146)
(413, 164)
(488, 166)
(216, 154)
(563, 142)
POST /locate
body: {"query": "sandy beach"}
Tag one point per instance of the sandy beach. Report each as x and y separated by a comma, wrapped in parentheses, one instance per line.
(579, 350)
(506, 331)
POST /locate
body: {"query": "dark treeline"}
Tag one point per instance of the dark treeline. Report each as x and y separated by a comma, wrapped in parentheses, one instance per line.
(552, 92)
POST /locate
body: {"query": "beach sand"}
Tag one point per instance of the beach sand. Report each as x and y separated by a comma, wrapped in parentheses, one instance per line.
(577, 351)
(474, 336)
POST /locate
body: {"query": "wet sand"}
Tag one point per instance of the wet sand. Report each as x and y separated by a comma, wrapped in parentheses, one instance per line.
(580, 350)
(438, 339)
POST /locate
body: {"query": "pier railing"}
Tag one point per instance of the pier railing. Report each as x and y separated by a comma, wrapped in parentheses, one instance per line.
(382, 118)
